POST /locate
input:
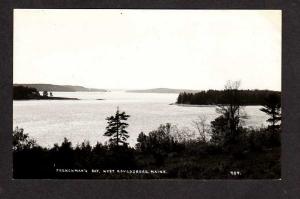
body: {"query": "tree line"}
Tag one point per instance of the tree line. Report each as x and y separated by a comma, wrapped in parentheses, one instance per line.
(214, 97)
(29, 93)
(24, 92)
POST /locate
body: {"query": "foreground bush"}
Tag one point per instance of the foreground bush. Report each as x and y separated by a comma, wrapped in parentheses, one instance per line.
(256, 155)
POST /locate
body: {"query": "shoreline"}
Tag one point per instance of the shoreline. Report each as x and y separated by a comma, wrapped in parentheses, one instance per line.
(48, 98)
(206, 105)
(192, 105)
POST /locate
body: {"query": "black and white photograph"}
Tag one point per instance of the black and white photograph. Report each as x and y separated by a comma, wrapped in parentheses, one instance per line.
(146, 94)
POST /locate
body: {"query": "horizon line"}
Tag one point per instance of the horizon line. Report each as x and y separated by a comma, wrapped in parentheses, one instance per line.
(193, 89)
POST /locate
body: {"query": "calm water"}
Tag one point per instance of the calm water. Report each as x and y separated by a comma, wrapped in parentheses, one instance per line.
(49, 121)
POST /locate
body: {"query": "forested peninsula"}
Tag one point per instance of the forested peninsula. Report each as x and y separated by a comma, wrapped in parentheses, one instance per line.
(61, 88)
(216, 97)
(28, 93)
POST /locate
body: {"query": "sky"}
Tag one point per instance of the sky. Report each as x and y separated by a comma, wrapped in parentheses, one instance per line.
(143, 49)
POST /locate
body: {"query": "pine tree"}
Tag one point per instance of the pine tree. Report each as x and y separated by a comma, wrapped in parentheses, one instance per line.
(272, 107)
(116, 128)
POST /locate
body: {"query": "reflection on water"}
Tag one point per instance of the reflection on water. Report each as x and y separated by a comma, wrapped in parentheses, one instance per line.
(50, 121)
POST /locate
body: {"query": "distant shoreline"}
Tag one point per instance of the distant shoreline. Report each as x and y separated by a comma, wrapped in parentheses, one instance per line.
(60, 88)
(206, 105)
(162, 90)
(48, 98)
(192, 105)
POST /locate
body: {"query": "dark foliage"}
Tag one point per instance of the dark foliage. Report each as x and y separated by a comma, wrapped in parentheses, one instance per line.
(255, 153)
(22, 92)
(29, 93)
(213, 97)
(158, 144)
(21, 140)
(116, 128)
(39, 162)
(226, 129)
(257, 156)
(272, 107)
(60, 88)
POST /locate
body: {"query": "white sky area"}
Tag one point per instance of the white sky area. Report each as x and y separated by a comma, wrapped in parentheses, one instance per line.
(142, 49)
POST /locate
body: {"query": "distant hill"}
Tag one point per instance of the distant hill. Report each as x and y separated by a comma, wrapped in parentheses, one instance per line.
(162, 90)
(60, 88)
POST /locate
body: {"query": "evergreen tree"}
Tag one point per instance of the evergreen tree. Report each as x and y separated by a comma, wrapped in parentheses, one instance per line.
(272, 107)
(116, 128)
